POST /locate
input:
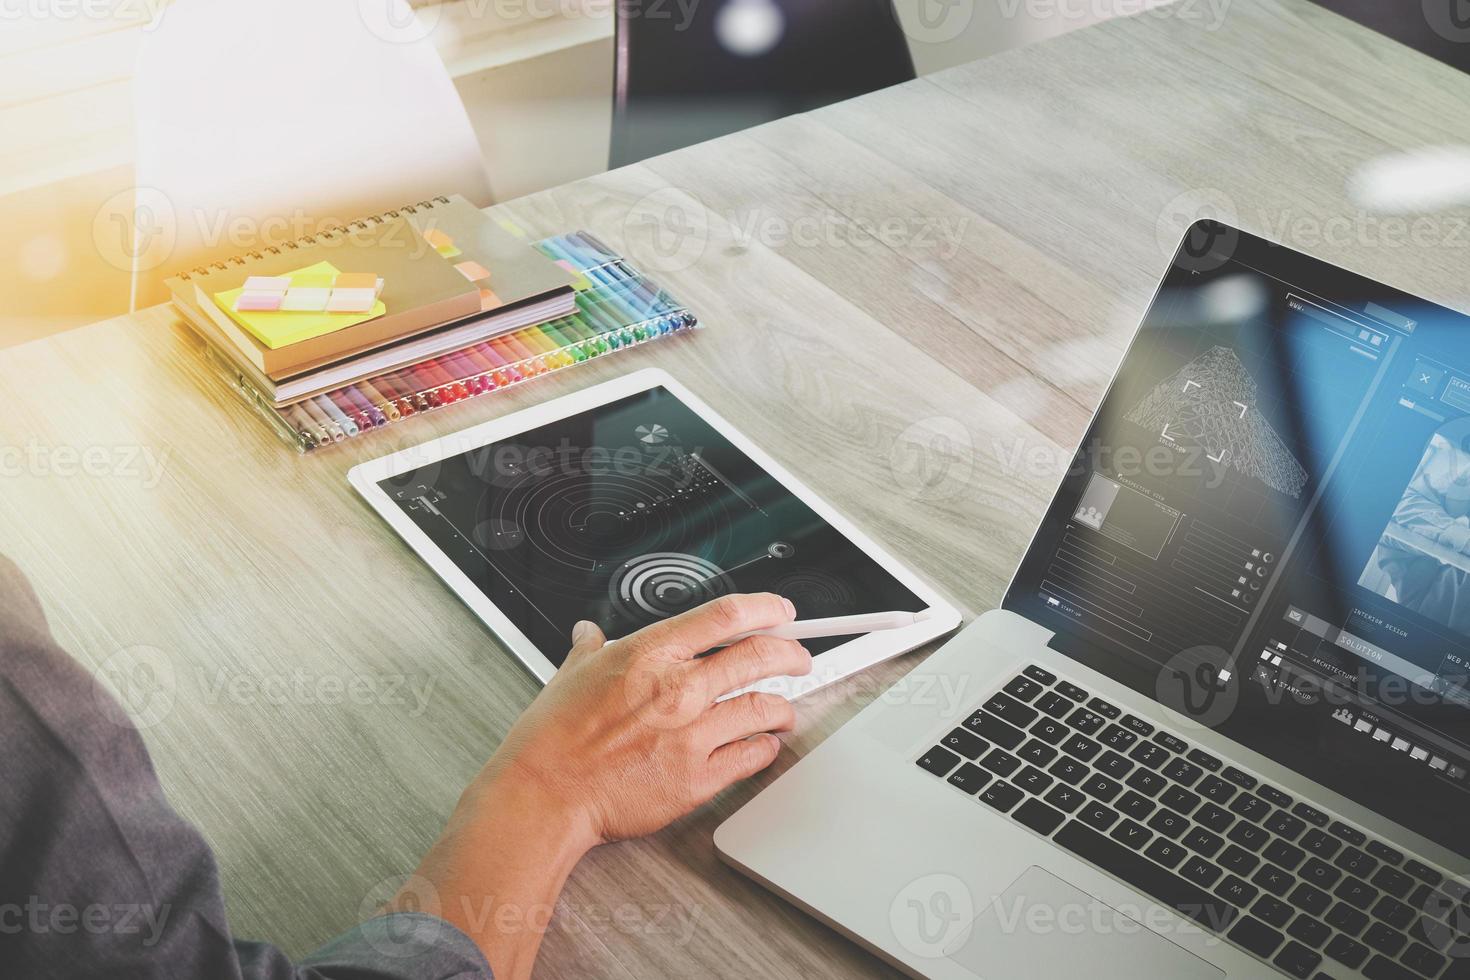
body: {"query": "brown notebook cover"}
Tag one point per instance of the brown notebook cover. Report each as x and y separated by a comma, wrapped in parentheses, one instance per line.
(517, 271)
(384, 360)
(422, 289)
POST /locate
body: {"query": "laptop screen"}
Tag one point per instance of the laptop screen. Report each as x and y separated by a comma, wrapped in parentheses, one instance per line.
(1267, 525)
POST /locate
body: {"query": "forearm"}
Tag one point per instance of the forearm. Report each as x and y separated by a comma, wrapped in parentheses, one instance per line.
(85, 829)
(497, 870)
(626, 738)
(1425, 516)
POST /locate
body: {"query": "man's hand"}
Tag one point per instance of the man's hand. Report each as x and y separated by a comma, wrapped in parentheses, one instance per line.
(628, 736)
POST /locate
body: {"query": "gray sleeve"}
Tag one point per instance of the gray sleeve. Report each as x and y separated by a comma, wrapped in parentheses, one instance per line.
(1419, 511)
(100, 877)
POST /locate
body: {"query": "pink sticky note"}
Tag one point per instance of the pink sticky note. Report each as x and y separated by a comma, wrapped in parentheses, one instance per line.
(438, 239)
(258, 302)
(473, 271)
(489, 301)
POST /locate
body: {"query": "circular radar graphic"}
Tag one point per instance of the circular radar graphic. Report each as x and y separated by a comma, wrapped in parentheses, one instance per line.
(574, 530)
(665, 583)
(652, 435)
(817, 592)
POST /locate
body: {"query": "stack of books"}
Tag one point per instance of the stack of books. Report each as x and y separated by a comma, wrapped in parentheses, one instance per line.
(464, 305)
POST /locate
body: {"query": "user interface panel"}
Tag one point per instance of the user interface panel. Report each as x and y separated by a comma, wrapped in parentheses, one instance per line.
(1270, 518)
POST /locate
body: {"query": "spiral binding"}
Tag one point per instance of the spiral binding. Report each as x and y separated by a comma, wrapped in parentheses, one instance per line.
(326, 234)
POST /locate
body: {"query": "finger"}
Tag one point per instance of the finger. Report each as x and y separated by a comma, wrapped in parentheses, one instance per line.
(587, 638)
(749, 714)
(752, 659)
(692, 633)
(740, 760)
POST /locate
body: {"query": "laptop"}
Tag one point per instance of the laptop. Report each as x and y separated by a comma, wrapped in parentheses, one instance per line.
(1220, 724)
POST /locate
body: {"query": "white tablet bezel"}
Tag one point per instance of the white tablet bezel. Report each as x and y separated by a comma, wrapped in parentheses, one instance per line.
(830, 666)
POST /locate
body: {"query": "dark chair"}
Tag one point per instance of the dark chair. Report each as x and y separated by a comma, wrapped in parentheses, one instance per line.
(1438, 28)
(688, 72)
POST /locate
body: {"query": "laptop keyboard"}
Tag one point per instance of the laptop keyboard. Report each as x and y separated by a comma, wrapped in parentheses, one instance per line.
(1277, 877)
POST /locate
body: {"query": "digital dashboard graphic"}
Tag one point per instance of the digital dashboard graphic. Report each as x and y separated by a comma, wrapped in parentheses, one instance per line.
(1210, 403)
(1276, 488)
(630, 513)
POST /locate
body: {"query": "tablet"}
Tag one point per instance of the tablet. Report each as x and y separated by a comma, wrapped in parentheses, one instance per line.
(627, 503)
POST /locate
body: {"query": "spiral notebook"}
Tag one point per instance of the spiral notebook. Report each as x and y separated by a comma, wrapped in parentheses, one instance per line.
(425, 288)
(617, 308)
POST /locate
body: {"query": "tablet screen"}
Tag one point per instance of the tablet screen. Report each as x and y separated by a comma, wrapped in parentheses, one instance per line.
(628, 513)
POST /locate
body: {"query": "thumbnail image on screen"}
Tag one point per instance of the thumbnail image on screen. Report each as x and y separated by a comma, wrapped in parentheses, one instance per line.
(1422, 561)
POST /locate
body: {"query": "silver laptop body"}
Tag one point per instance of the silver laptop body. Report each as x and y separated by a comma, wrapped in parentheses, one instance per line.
(1175, 751)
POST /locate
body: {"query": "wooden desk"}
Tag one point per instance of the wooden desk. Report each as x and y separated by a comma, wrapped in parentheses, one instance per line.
(913, 300)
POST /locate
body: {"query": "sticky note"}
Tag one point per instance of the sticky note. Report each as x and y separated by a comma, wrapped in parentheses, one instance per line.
(438, 239)
(282, 329)
(351, 300)
(357, 280)
(263, 302)
(267, 284)
(579, 281)
(473, 271)
(306, 299)
(312, 280)
(489, 301)
(449, 251)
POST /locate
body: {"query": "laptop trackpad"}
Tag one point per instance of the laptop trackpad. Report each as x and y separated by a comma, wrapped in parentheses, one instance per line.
(1042, 928)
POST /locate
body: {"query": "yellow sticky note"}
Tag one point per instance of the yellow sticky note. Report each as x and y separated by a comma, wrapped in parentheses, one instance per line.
(313, 279)
(282, 329)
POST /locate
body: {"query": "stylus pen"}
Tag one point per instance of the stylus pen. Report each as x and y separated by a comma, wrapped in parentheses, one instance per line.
(810, 629)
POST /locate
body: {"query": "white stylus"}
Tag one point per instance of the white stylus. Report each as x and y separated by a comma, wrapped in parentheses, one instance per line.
(810, 629)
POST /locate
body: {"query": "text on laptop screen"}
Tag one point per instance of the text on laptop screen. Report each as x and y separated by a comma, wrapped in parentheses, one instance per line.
(1267, 525)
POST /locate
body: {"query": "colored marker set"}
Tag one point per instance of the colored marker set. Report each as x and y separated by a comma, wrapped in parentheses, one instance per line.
(617, 308)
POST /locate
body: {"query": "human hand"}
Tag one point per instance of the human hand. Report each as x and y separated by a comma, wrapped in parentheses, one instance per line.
(629, 734)
(626, 738)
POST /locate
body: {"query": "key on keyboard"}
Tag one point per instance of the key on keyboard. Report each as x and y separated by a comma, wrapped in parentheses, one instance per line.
(1164, 886)
(1278, 877)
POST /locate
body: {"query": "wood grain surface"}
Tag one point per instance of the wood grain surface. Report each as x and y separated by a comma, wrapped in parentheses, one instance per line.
(912, 300)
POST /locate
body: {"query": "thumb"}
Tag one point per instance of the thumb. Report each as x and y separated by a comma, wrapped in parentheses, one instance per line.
(586, 638)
